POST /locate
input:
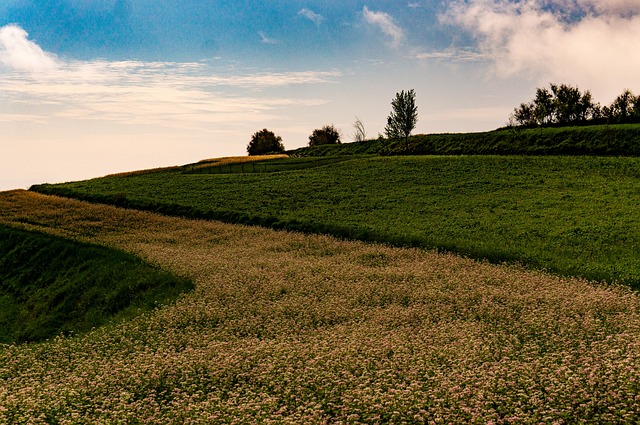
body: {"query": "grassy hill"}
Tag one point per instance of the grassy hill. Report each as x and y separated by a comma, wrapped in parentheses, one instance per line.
(286, 327)
(573, 215)
(306, 329)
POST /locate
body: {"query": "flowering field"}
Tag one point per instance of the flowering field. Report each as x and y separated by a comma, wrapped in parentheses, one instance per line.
(288, 328)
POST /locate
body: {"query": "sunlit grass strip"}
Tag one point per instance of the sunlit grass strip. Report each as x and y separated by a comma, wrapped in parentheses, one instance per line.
(143, 172)
(287, 328)
(216, 162)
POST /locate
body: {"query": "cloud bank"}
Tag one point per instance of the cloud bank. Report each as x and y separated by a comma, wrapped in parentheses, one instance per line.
(588, 42)
(19, 53)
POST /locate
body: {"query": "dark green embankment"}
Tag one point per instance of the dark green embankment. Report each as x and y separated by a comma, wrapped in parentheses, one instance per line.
(595, 140)
(50, 285)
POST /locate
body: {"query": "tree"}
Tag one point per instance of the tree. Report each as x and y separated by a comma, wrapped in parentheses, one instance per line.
(543, 106)
(327, 135)
(562, 105)
(264, 142)
(525, 115)
(403, 117)
(567, 102)
(587, 109)
(359, 134)
(622, 109)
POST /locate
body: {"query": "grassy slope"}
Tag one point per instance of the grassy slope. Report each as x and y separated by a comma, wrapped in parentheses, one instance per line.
(572, 215)
(50, 285)
(288, 328)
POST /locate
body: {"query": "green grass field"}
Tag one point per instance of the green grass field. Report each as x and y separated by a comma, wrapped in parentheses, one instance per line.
(50, 285)
(570, 215)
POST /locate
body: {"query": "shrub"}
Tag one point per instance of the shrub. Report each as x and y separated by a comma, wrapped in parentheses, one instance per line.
(264, 142)
(327, 135)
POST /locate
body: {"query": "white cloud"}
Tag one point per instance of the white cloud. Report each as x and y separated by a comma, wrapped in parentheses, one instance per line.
(312, 16)
(385, 23)
(19, 53)
(595, 51)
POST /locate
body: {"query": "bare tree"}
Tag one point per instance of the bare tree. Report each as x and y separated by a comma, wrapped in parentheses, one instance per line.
(359, 134)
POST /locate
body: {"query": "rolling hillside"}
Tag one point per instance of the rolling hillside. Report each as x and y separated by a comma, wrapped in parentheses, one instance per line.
(291, 328)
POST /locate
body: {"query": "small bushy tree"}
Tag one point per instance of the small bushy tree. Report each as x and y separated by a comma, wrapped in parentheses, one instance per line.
(327, 135)
(264, 142)
(403, 117)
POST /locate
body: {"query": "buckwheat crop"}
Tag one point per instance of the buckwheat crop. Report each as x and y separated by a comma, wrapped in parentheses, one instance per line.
(288, 328)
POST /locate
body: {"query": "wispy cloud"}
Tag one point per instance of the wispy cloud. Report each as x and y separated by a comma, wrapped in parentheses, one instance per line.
(586, 42)
(266, 40)
(385, 23)
(454, 55)
(167, 94)
(312, 16)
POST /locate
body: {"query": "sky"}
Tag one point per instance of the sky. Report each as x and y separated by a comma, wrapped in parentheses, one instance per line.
(93, 87)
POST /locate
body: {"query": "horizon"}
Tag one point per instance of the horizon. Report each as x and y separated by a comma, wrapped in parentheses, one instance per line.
(108, 86)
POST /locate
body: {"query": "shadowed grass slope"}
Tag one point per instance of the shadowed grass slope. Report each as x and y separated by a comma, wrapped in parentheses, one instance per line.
(50, 285)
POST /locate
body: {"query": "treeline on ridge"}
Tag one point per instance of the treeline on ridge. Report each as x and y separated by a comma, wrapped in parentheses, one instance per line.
(564, 105)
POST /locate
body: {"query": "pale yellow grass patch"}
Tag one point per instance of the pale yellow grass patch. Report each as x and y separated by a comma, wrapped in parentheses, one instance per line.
(288, 328)
(215, 162)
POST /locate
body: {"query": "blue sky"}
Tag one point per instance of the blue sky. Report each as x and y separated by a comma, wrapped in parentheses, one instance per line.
(90, 87)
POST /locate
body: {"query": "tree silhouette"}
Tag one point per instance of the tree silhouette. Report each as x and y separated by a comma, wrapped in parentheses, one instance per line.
(359, 134)
(403, 117)
(264, 142)
(327, 135)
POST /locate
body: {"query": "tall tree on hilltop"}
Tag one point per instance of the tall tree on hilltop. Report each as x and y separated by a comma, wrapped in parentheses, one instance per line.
(403, 117)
